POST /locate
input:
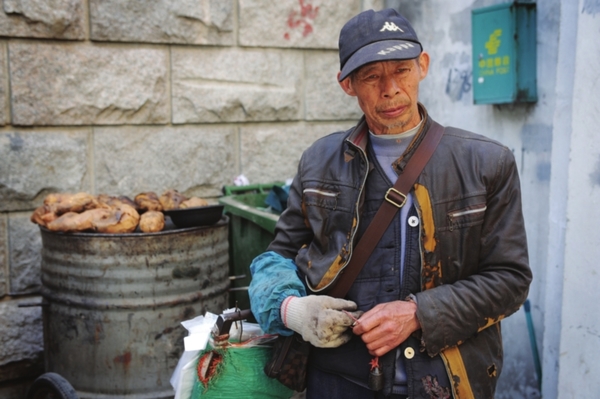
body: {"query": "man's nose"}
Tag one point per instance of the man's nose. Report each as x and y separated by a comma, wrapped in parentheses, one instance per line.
(390, 87)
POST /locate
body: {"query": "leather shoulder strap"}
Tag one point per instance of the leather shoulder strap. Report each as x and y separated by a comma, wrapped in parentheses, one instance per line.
(395, 199)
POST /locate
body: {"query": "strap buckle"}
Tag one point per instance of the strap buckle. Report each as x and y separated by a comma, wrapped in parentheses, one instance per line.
(398, 201)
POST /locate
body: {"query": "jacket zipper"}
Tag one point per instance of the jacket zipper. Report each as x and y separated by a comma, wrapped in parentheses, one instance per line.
(453, 215)
(421, 255)
(362, 187)
(320, 192)
(351, 242)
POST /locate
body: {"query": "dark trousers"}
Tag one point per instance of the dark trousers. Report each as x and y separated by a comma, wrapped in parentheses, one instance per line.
(323, 385)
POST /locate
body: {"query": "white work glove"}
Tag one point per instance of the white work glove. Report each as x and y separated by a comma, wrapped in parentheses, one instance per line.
(320, 319)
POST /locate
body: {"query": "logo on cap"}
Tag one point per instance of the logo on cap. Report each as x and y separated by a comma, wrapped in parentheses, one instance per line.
(392, 27)
(398, 47)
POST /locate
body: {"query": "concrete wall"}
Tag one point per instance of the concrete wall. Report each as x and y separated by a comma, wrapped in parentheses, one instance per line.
(118, 97)
(115, 97)
(573, 375)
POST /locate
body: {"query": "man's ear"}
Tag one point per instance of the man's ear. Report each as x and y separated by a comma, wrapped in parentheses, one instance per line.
(423, 64)
(346, 85)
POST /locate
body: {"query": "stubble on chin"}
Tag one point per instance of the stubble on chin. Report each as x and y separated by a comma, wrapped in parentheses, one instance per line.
(393, 127)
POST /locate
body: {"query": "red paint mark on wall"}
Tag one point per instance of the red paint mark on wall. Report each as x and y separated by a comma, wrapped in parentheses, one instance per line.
(125, 359)
(301, 20)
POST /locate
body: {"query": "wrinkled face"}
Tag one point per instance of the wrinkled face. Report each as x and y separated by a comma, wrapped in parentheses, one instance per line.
(387, 93)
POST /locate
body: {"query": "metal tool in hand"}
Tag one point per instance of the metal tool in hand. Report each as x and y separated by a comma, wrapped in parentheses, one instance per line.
(375, 376)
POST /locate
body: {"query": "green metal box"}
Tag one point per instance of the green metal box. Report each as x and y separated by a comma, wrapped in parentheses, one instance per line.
(504, 53)
(251, 230)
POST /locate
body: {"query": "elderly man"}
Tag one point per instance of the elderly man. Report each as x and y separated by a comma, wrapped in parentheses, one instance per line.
(451, 264)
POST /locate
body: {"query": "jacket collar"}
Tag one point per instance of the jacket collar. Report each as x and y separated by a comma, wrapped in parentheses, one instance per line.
(400, 163)
(359, 137)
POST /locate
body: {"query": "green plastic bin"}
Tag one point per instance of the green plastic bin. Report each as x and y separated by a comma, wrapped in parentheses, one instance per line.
(251, 230)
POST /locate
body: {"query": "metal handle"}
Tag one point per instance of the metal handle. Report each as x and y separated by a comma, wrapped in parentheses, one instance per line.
(224, 321)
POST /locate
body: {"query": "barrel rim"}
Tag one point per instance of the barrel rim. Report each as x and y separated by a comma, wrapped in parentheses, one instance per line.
(176, 230)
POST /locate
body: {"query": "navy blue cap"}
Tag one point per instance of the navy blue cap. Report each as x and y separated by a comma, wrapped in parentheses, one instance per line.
(376, 36)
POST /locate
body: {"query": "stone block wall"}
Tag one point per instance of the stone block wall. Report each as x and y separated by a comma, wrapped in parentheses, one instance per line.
(120, 97)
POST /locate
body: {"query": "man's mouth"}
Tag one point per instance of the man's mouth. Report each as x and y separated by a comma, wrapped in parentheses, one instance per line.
(391, 112)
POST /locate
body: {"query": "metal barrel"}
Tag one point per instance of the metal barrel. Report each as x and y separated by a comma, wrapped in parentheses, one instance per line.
(113, 304)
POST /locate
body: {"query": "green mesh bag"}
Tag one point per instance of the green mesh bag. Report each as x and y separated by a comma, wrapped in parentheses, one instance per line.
(236, 372)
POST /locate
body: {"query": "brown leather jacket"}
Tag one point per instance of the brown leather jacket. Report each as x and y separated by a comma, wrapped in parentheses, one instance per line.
(474, 262)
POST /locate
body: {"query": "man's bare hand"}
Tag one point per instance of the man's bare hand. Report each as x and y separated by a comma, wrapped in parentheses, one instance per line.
(387, 325)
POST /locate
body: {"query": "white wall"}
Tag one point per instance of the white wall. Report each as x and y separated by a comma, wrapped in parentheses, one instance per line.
(558, 155)
(579, 364)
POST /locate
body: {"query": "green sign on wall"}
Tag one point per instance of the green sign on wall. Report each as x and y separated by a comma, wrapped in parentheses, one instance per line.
(504, 59)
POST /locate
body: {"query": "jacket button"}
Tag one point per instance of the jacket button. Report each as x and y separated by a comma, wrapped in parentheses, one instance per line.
(413, 221)
(409, 353)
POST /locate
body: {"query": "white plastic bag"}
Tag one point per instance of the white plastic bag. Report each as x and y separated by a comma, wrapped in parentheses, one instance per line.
(183, 377)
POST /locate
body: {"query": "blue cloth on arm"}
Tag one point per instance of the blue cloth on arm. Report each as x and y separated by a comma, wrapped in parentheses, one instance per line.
(274, 278)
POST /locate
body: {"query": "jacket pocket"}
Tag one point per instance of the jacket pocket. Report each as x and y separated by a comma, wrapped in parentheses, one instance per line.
(466, 217)
(320, 197)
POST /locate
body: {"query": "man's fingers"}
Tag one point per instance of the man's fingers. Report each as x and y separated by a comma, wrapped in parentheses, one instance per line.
(379, 350)
(338, 318)
(356, 314)
(365, 324)
(335, 341)
(340, 304)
